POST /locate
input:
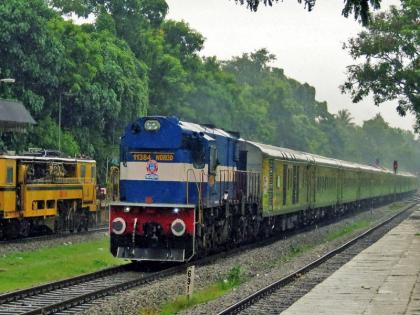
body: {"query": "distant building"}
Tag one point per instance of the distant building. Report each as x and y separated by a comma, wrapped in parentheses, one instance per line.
(14, 117)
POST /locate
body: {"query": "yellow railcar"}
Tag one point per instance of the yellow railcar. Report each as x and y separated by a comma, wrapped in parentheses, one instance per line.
(45, 192)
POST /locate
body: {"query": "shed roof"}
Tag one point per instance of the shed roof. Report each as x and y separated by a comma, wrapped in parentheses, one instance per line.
(13, 115)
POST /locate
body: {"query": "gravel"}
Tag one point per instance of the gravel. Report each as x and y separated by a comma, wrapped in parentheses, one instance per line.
(35, 244)
(260, 266)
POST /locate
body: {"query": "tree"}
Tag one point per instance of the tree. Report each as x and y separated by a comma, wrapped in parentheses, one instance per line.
(343, 116)
(29, 52)
(360, 8)
(391, 46)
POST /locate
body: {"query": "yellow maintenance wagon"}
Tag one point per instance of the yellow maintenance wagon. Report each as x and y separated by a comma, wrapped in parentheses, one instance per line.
(51, 193)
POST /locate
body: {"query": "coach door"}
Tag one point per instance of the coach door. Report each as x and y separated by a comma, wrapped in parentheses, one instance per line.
(311, 184)
(339, 184)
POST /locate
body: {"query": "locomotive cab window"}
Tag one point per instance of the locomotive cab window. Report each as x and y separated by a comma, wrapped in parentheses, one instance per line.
(213, 160)
(198, 154)
(50, 204)
(9, 175)
(83, 171)
(93, 172)
(38, 204)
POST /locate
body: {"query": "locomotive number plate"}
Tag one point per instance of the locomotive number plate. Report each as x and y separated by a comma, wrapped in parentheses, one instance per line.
(147, 156)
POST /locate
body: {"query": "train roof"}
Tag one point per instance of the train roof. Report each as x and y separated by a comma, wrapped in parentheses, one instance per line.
(207, 130)
(299, 156)
(45, 158)
(289, 154)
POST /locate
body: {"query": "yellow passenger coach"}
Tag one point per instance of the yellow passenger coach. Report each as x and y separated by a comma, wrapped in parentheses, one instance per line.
(45, 193)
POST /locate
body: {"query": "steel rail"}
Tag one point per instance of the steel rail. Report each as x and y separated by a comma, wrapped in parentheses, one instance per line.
(48, 287)
(253, 298)
(63, 234)
(88, 297)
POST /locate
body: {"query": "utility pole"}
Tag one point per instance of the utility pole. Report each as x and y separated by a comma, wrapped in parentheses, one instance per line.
(59, 123)
(59, 116)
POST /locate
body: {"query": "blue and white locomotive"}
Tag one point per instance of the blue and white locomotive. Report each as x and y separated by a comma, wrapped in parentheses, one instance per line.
(189, 189)
(171, 172)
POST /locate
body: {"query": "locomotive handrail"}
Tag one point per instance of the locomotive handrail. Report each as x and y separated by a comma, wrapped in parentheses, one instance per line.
(61, 180)
(245, 183)
(199, 188)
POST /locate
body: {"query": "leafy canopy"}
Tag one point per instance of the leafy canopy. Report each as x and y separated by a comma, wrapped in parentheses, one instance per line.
(391, 49)
(133, 61)
(361, 9)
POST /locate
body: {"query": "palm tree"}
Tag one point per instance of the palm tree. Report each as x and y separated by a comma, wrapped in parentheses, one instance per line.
(344, 117)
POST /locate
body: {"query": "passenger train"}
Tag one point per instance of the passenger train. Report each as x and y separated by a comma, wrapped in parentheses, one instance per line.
(186, 190)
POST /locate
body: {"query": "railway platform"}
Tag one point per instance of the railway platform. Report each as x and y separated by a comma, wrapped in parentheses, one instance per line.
(383, 279)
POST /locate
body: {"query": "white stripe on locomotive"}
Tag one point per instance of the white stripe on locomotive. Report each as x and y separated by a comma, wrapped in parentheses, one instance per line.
(174, 172)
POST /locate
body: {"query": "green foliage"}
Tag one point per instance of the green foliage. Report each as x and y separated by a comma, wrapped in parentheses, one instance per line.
(29, 51)
(97, 78)
(233, 279)
(391, 48)
(45, 134)
(359, 8)
(347, 229)
(132, 61)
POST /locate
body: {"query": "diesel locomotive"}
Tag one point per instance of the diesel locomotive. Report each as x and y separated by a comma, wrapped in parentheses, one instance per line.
(186, 190)
(45, 193)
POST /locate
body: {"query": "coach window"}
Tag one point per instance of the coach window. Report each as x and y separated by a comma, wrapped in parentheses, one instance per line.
(83, 171)
(9, 175)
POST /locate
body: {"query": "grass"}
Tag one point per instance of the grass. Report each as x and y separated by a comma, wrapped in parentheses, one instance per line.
(349, 228)
(24, 269)
(295, 251)
(417, 234)
(234, 278)
(398, 205)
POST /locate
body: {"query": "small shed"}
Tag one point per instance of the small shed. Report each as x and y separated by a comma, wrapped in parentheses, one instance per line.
(14, 117)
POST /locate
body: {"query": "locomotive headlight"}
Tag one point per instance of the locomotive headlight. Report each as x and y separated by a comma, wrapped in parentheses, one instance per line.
(126, 209)
(118, 226)
(178, 227)
(152, 125)
(176, 210)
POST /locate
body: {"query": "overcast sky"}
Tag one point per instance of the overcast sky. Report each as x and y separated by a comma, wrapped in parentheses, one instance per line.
(308, 45)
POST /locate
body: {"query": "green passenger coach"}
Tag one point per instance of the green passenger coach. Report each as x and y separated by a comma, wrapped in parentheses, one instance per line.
(293, 180)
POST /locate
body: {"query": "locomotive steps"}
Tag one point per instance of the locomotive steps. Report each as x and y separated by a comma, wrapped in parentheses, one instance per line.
(66, 294)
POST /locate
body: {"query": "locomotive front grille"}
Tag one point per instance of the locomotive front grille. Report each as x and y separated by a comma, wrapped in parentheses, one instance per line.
(156, 254)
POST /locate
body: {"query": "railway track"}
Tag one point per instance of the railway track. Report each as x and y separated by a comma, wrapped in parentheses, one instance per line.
(282, 293)
(52, 236)
(73, 295)
(59, 296)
